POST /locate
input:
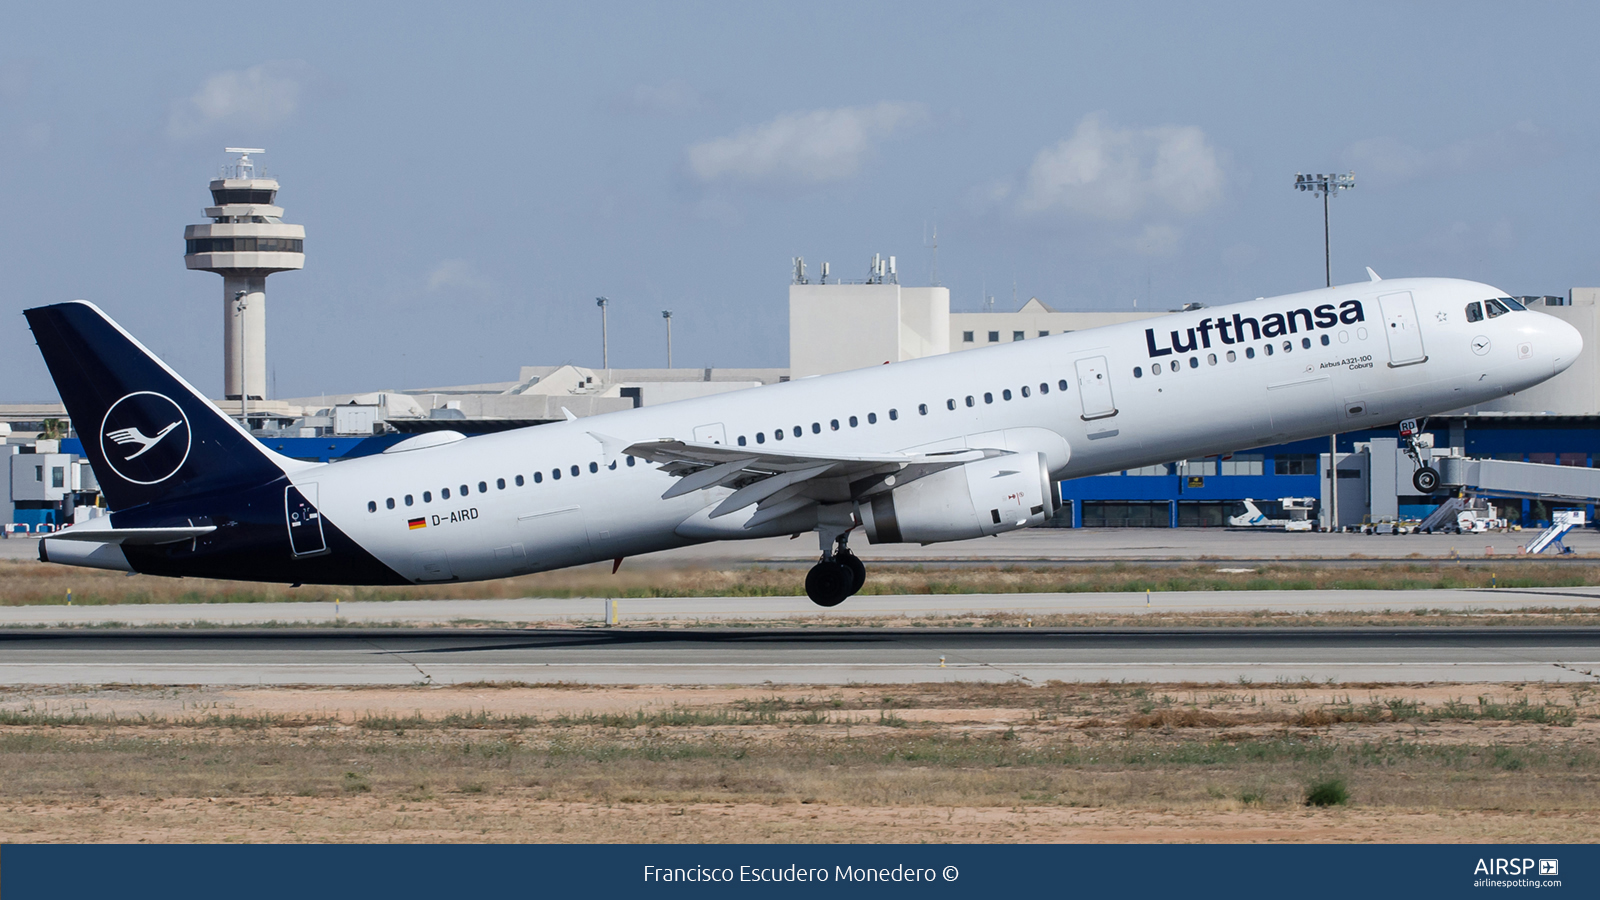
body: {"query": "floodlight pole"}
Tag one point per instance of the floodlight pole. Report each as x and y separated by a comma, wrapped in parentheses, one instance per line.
(605, 336)
(667, 314)
(1327, 185)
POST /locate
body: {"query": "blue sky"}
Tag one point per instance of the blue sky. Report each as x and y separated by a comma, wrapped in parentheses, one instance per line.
(471, 177)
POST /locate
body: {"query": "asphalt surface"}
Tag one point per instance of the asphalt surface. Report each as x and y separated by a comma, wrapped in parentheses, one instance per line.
(794, 656)
(690, 610)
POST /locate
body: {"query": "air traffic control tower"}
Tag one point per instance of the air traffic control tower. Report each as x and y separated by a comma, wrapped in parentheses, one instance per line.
(245, 242)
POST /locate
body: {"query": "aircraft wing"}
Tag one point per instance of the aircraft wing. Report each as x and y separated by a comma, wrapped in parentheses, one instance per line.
(782, 481)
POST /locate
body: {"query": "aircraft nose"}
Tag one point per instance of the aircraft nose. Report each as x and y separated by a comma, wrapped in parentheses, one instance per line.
(1566, 343)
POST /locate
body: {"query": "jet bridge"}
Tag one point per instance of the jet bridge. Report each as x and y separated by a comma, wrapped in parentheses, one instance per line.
(1521, 480)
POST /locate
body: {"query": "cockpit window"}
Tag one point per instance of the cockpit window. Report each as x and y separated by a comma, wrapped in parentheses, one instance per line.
(1474, 311)
(1494, 308)
(1513, 303)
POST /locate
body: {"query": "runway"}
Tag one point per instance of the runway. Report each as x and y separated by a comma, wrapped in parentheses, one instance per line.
(690, 610)
(798, 656)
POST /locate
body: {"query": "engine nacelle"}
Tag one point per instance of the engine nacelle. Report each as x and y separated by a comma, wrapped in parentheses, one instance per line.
(1002, 493)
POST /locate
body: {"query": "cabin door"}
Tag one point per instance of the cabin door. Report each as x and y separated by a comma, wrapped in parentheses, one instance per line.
(305, 523)
(1400, 326)
(1094, 388)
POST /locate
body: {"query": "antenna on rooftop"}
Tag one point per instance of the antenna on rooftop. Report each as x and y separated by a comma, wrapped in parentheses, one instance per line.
(933, 265)
(244, 167)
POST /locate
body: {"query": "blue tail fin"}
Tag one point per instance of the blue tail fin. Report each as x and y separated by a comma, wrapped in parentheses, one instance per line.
(149, 435)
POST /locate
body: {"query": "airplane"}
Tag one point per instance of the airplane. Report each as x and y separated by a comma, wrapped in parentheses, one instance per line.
(1298, 508)
(943, 448)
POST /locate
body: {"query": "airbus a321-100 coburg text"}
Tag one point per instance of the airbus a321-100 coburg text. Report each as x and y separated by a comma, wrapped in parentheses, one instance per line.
(946, 448)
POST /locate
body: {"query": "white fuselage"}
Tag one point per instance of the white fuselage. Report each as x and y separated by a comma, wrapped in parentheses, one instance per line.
(1098, 390)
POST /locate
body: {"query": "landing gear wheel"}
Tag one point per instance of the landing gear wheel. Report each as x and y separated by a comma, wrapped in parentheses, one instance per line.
(1426, 479)
(858, 571)
(829, 582)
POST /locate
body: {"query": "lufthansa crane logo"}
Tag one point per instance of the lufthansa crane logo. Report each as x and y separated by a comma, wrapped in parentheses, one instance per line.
(145, 437)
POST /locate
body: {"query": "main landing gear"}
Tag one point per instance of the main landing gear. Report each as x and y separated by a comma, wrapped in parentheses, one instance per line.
(837, 575)
(1419, 446)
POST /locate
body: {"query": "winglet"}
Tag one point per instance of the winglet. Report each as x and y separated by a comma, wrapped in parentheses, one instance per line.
(568, 413)
(1373, 275)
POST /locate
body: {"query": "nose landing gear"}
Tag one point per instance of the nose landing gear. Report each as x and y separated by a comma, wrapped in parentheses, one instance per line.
(1419, 446)
(838, 575)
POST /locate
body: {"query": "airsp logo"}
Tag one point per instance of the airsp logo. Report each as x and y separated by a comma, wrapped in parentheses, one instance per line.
(145, 437)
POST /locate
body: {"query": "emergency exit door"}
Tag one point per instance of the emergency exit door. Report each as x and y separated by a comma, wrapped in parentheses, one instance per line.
(1094, 388)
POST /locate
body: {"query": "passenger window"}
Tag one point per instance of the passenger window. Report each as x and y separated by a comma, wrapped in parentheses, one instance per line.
(894, 414)
(1155, 369)
(816, 427)
(1211, 359)
(969, 400)
(1268, 348)
(872, 418)
(444, 493)
(922, 409)
(1305, 343)
(593, 468)
(741, 440)
(761, 437)
(1493, 308)
(1005, 394)
(833, 424)
(1173, 365)
(798, 431)
(1025, 391)
(520, 482)
(778, 435)
(1138, 372)
(484, 488)
(1474, 311)
(950, 404)
(500, 484)
(575, 472)
(1044, 388)
(408, 499)
(464, 491)
(630, 461)
(372, 506)
(389, 503)
(1287, 346)
(988, 397)
(1325, 340)
(1062, 384)
(853, 422)
(555, 474)
(1249, 353)
(1194, 362)
(538, 478)
(1232, 356)
(427, 496)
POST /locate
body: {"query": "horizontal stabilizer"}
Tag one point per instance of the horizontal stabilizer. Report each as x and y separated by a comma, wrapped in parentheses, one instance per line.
(133, 536)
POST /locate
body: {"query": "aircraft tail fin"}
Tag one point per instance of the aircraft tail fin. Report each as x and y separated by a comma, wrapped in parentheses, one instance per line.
(149, 435)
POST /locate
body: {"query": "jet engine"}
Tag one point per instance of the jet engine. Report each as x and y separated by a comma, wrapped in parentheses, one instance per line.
(1002, 493)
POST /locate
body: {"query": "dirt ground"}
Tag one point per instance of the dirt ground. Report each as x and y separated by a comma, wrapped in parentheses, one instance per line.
(891, 763)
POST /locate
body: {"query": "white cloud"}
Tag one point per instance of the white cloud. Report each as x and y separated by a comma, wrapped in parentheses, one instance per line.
(1107, 172)
(671, 98)
(1393, 160)
(257, 97)
(456, 274)
(817, 146)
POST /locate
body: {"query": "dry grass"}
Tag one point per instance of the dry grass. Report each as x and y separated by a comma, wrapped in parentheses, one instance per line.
(906, 762)
(28, 583)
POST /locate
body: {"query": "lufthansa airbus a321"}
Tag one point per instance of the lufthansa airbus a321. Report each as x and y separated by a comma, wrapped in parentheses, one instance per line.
(945, 448)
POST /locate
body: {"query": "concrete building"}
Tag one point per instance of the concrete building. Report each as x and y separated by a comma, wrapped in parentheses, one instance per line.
(245, 241)
(1033, 320)
(844, 325)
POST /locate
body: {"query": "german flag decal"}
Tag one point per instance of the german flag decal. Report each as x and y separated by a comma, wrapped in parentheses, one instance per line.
(418, 523)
